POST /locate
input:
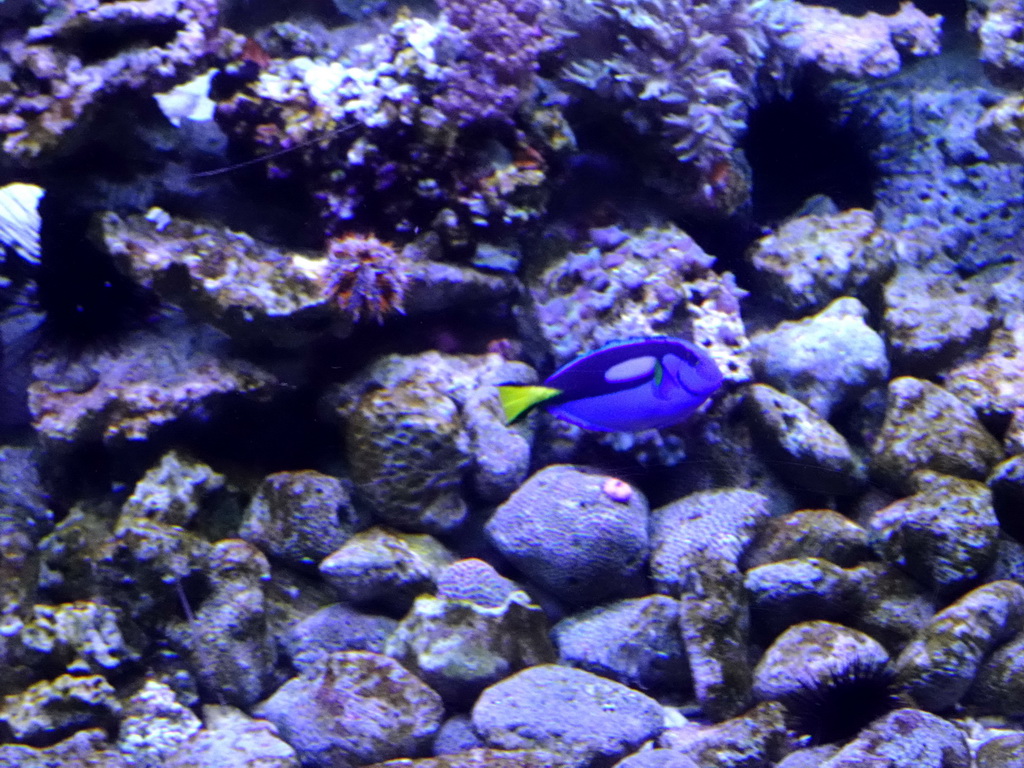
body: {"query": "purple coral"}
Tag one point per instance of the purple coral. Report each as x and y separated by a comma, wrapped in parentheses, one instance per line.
(502, 39)
(365, 276)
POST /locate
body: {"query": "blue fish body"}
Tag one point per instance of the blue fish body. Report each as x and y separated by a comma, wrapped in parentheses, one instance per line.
(628, 386)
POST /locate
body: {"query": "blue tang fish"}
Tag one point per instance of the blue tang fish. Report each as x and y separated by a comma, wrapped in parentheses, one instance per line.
(623, 387)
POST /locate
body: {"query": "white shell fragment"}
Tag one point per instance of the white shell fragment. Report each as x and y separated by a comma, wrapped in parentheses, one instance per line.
(189, 100)
(19, 219)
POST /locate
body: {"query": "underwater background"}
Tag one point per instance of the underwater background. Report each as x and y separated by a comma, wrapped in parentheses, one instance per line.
(307, 311)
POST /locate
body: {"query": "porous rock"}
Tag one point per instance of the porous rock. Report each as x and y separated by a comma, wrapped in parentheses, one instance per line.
(635, 642)
(812, 260)
(697, 543)
(759, 737)
(301, 517)
(567, 711)
(822, 533)
(928, 428)
(231, 739)
(354, 709)
(792, 591)
(383, 566)
(807, 450)
(940, 664)
(930, 318)
(565, 532)
(907, 738)
(337, 627)
(459, 647)
(418, 427)
(798, 357)
(810, 655)
(944, 535)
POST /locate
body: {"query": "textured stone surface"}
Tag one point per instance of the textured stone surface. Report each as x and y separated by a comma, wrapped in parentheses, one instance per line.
(459, 647)
(301, 517)
(944, 535)
(938, 667)
(930, 318)
(354, 709)
(802, 446)
(799, 357)
(565, 532)
(811, 260)
(567, 711)
(928, 428)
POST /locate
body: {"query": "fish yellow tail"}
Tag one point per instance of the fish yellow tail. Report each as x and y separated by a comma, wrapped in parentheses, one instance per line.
(517, 400)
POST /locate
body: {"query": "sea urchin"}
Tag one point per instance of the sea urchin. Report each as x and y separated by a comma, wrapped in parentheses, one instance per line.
(836, 705)
(365, 276)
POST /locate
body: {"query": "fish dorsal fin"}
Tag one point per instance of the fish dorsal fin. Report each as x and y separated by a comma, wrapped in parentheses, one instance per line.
(517, 400)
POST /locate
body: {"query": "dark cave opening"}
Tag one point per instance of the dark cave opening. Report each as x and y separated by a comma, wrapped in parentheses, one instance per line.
(797, 149)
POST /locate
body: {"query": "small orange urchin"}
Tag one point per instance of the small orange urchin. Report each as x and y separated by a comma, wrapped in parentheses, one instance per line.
(366, 277)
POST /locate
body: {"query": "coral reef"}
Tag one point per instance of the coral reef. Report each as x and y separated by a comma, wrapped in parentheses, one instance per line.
(263, 506)
(83, 52)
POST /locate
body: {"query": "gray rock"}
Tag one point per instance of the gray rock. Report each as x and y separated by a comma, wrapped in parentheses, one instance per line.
(459, 647)
(938, 667)
(565, 531)
(927, 428)
(301, 517)
(803, 589)
(758, 738)
(232, 739)
(386, 567)
(1006, 751)
(386, 712)
(812, 260)
(803, 447)
(568, 711)
(820, 533)
(929, 318)
(999, 685)
(811, 655)
(635, 642)
(337, 627)
(799, 358)
(945, 535)
(697, 543)
(906, 738)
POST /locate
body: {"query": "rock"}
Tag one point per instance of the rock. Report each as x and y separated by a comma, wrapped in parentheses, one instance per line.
(388, 567)
(812, 260)
(50, 709)
(799, 357)
(337, 627)
(354, 709)
(804, 447)
(174, 491)
(154, 726)
(906, 738)
(930, 318)
(566, 711)
(999, 684)
(635, 642)
(231, 739)
(944, 535)
(419, 427)
(566, 533)
(459, 647)
(940, 664)
(792, 591)
(697, 543)
(820, 533)
(928, 428)
(757, 738)
(301, 517)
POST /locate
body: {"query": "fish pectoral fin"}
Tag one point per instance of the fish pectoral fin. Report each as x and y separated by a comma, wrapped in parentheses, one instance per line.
(518, 399)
